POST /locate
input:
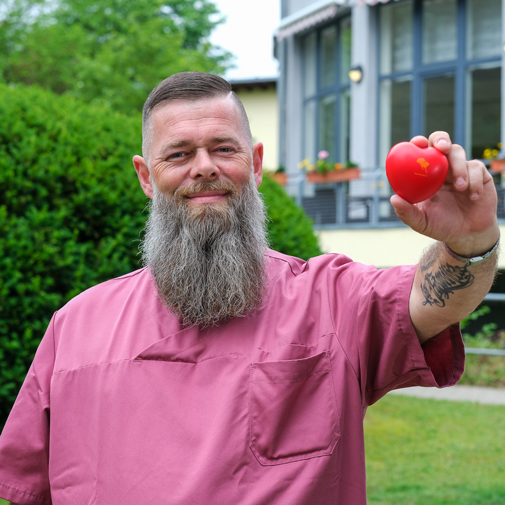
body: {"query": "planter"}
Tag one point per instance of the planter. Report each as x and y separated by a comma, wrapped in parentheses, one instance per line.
(497, 165)
(334, 176)
(280, 177)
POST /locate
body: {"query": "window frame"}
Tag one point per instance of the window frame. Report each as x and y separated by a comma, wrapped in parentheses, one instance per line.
(420, 71)
(336, 89)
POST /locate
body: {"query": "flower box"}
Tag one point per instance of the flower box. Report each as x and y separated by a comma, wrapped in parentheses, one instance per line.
(497, 165)
(334, 176)
(279, 177)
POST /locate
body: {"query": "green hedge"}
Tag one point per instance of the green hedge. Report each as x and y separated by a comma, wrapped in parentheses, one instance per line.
(290, 230)
(71, 211)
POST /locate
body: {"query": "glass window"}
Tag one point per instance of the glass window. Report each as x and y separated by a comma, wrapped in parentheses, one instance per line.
(438, 104)
(484, 28)
(327, 126)
(396, 37)
(310, 64)
(484, 91)
(345, 44)
(439, 30)
(309, 148)
(328, 56)
(394, 114)
(345, 120)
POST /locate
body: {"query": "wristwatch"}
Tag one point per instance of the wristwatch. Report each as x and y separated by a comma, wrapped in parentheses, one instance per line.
(477, 260)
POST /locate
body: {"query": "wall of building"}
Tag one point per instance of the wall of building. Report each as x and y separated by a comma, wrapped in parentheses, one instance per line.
(383, 248)
(293, 6)
(263, 112)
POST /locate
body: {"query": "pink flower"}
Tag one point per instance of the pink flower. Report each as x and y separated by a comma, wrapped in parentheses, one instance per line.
(323, 155)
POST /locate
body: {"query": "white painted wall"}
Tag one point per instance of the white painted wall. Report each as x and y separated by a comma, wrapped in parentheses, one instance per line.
(383, 248)
(263, 113)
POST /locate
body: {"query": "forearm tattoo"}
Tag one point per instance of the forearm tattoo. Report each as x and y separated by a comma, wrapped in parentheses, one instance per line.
(437, 286)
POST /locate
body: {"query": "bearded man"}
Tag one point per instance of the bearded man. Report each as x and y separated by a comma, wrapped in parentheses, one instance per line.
(224, 372)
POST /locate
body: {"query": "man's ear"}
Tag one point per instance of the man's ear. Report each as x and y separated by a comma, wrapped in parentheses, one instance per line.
(258, 162)
(144, 176)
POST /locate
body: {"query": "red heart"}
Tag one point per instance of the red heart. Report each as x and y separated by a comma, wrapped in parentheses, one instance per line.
(416, 173)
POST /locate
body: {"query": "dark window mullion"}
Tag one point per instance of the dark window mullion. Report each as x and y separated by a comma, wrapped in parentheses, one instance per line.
(338, 105)
(318, 90)
(460, 111)
(416, 120)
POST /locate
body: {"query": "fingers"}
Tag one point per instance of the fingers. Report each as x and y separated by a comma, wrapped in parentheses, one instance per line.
(478, 176)
(409, 214)
(459, 167)
(464, 175)
(420, 141)
(442, 141)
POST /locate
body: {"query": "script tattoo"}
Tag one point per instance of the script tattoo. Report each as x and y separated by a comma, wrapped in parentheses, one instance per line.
(439, 285)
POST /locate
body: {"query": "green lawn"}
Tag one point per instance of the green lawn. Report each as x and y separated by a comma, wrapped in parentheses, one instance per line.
(429, 452)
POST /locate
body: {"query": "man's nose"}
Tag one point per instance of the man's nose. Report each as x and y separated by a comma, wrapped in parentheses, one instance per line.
(204, 167)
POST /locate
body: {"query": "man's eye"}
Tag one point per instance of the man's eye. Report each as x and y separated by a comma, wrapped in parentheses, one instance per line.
(176, 155)
(225, 149)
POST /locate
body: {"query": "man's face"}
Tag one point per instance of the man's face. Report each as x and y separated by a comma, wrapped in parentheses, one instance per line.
(198, 142)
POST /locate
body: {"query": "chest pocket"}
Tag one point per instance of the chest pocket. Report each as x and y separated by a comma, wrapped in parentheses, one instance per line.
(293, 412)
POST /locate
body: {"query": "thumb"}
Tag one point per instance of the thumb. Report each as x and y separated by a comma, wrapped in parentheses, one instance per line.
(408, 213)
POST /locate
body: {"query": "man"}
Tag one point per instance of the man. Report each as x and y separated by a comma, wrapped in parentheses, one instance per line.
(227, 373)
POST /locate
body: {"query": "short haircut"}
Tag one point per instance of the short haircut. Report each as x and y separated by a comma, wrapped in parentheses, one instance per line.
(190, 86)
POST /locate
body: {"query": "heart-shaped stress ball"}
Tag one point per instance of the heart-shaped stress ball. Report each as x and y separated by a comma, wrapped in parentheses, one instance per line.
(416, 173)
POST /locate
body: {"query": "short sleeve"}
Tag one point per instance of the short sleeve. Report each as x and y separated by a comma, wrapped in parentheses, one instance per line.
(24, 442)
(375, 328)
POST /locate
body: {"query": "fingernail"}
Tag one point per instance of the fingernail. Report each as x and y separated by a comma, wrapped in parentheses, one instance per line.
(442, 143)
(460, 182)
(474, 196)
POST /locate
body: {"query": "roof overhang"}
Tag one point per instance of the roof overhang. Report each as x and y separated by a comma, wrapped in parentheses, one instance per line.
(308, 17)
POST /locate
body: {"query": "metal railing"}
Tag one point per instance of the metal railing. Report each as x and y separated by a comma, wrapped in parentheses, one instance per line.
(360, 203)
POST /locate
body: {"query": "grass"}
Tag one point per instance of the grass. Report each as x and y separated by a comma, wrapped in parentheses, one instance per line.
(429, 452)
(481, 370)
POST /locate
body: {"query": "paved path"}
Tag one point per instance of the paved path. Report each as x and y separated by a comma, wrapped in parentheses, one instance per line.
(477, 394)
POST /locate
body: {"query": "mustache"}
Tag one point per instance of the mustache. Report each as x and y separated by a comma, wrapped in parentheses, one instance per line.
(199, 187)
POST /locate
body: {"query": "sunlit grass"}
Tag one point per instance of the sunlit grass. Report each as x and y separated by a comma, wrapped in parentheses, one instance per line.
(430, 452)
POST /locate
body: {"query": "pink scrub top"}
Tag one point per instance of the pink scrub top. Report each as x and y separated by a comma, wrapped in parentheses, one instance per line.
(123, 406)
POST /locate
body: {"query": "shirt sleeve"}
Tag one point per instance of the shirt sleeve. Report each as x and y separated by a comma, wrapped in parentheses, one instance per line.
(24, 442)
(374, 326)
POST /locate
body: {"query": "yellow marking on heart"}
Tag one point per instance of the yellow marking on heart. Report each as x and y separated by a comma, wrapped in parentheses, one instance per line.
(424, 165)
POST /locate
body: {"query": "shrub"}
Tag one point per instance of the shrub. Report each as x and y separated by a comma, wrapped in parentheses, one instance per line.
(290, 230)
(71, 211)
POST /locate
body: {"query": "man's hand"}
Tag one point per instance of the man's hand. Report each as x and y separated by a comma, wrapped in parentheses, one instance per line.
(463, 212)
(463, 215)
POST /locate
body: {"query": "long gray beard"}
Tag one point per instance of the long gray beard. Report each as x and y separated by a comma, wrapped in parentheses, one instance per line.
(208, 262)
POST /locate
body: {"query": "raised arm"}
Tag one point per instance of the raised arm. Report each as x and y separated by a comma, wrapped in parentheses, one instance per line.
(462, 218)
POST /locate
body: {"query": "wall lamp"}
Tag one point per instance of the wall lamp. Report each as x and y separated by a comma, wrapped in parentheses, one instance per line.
(356, 74)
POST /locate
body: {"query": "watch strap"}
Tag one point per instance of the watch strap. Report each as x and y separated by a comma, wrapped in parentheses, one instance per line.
(476, 260)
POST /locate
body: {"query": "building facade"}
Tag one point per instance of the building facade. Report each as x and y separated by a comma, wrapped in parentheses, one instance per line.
(259, 97)
(418, 66)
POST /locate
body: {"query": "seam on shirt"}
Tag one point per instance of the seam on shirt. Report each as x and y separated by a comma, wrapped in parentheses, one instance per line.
(92, 365)
(37, 496)
(130, 274)
(285, 261)
(335, 333)
(170, 360)
(294, 379)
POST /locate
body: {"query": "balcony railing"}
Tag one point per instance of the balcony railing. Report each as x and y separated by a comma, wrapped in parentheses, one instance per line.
(360, 203)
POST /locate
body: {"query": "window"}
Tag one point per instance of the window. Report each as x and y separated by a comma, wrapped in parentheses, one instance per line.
(326, 91)
(440, 69)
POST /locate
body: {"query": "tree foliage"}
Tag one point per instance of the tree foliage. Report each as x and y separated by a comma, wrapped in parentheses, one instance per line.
(71, 211)
(107, 51)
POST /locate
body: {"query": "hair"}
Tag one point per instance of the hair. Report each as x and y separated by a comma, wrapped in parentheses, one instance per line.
(190, 86)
